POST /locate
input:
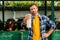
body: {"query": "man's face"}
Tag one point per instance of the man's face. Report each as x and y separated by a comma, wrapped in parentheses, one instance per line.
(34, 9)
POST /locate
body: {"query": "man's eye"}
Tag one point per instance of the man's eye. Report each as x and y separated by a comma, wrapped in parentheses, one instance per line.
(33, 8)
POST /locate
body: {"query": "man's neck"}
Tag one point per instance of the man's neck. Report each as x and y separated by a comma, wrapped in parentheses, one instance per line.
(35, 14)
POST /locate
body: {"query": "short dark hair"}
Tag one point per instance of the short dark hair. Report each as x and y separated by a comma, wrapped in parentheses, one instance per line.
(33, 4)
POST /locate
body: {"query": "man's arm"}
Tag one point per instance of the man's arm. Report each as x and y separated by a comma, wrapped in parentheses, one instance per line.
(51, 25)
(45, 35)
(27, 16)
(50, 31)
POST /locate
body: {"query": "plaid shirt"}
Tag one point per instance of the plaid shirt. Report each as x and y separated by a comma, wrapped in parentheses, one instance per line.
(45, 23)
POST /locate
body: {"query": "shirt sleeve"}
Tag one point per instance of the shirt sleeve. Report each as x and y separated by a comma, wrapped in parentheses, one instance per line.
(50, 23)
(23, 24)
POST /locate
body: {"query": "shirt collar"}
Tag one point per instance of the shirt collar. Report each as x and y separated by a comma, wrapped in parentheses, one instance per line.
(39, 17)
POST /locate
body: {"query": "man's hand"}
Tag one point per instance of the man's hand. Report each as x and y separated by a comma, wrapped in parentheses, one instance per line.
(27, 16)
(45, 35)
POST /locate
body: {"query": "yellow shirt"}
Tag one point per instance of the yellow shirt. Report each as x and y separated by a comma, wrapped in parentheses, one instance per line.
(36, 28)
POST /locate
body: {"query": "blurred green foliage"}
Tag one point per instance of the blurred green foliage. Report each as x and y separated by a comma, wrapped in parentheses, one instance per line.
(27, 3)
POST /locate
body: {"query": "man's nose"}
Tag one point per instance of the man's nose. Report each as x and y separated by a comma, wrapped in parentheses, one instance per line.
(33, 10)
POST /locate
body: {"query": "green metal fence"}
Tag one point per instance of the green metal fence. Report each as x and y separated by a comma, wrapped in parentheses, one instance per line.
(14, 35)
(23, 35)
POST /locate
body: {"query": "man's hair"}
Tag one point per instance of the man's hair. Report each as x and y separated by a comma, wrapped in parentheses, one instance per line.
(33, 4)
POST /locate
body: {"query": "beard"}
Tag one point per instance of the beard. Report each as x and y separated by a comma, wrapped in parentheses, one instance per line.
(34, 13)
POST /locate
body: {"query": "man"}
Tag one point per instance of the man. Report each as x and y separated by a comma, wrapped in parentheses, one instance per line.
(39, 24)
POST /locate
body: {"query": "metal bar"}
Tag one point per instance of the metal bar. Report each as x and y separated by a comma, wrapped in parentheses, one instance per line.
(52, 10)
(45, 7)
(3, 12)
